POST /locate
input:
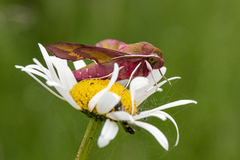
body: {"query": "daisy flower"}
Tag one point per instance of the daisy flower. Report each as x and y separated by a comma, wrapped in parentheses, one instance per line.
(62, 80)
(105, 100)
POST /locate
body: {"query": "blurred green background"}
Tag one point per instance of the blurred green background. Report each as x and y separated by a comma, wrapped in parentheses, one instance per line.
(200, 42)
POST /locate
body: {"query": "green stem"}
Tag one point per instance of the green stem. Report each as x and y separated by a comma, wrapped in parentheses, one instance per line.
(89, 139)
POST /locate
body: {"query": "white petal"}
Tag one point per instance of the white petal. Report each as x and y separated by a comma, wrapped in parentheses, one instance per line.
(155, 114)
(163, 70)
(34, 77)
(33, 71)
(107, 102)
(19, 67)
(155, 132)
(170, 105)
(161, 115)
(70, 100)
(137, 84)
(67, 96)
(48, 62)
(141, 96)
(92, 103)
(35, 67)
(157, 77)
(108, 133)
(30, 69)
(67, 80)
(53, 83)
(173, 121)
(120, 116)
(114, 76)
(65, 74)
(163, 82)
(42, 68)
(79, 64)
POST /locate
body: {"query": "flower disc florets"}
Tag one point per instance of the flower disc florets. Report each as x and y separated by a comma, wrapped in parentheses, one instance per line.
(83, 91)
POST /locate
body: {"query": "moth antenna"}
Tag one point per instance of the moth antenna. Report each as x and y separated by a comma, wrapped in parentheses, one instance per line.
(165, 77)
(130, 78)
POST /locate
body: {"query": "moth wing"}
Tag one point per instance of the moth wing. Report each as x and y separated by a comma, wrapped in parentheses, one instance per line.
(74, 52)
(143, 48)
(110, 44)
(133, 56)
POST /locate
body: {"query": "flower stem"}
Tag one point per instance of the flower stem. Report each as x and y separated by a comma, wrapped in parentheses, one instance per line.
(89, 139)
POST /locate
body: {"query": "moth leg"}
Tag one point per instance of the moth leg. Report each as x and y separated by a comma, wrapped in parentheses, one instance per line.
(150, 69)
(164, 77)
(104, 77)
(130, 78)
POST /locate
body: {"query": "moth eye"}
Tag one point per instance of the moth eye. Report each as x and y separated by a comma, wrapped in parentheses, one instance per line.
(151, 60)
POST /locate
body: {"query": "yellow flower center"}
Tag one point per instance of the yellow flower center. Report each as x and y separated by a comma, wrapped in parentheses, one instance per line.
(83, 92)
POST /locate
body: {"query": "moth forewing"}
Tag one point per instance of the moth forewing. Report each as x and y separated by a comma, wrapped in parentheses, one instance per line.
(127, 56)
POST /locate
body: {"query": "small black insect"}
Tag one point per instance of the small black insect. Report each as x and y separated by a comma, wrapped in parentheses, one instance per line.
(128, 127)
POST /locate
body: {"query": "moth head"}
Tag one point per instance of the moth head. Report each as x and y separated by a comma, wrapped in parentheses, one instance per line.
(156, 62)
(158, 52)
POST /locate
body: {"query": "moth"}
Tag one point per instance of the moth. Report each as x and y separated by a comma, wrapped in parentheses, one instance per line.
(134, 60)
